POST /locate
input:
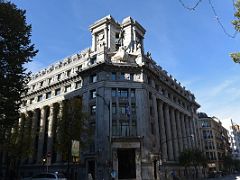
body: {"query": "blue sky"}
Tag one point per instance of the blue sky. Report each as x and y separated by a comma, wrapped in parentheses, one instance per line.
(190, 45)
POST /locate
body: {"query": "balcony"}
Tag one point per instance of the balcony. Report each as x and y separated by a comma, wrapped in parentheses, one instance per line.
(124, 130)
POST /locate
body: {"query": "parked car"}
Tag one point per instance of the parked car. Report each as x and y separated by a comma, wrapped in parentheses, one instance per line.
(49, 176)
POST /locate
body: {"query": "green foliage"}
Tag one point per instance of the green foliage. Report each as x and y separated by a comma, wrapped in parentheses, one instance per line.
(15, 50)
(185, 158)
(73, 125)
(236, 22)
(20, 140)
(228, 163)
(236, 56)
(192, 157)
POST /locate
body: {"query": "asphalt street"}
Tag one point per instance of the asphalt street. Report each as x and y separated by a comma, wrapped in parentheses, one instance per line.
(229, 177)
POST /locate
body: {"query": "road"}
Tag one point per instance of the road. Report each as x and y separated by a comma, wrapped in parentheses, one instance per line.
(229, 177)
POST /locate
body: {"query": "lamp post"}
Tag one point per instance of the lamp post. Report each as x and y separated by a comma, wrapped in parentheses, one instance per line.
(107, 104)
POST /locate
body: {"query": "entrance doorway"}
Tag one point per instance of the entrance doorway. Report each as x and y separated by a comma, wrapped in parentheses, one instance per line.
(91, 169)
(126, 164)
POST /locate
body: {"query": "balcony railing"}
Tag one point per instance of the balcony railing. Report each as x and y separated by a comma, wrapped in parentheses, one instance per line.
(124, 130)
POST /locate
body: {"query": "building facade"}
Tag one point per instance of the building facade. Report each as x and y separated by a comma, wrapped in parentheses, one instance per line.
(141, 117)
(215, 142)
(235, 140)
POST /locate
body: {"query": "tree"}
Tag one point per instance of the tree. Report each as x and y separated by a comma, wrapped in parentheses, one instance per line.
(228, 163)
(192, 157)
(73, 126)
(198, 159)
(185, 159)
(16, 50)
(236, 56)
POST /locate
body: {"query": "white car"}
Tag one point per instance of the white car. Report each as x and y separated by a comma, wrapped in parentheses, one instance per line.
(49, 176)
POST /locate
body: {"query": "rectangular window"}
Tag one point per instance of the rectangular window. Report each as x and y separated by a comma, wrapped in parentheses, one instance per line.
(114, 76)
(48, 95)
(68, 72)
(79, 68)
(114, 108)
(78, 84)
(59, 76)
(149, 80)
(93, 78)
(122, 109)
(93, 60)
(33, 87)
(150, 95)
(67, 88)
(49, 80)
(93, 109)
(57, 91)
(133, 108)
(114, 92)
(132, 93)
(123, 93)
(131, 77)
(31, 100)
(122, 76)
(93, 94)
(41, 83)
(40, 97)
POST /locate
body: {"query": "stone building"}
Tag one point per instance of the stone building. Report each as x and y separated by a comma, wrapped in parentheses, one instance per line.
(235, 140)
(215, 141)
(141, 116)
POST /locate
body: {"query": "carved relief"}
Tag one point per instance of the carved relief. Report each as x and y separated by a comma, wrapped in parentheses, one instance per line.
(100, 40)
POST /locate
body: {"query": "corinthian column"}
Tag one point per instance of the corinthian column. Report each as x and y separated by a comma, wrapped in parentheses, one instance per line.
(41, 135)
(163, 144)
(174, 133)
(169, 133)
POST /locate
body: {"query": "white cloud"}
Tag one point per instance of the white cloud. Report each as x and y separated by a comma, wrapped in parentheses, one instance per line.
(221, 100)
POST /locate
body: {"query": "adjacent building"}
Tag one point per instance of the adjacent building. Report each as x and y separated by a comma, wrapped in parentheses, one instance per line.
(141, 116)
(215, 141)
(235, 140)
